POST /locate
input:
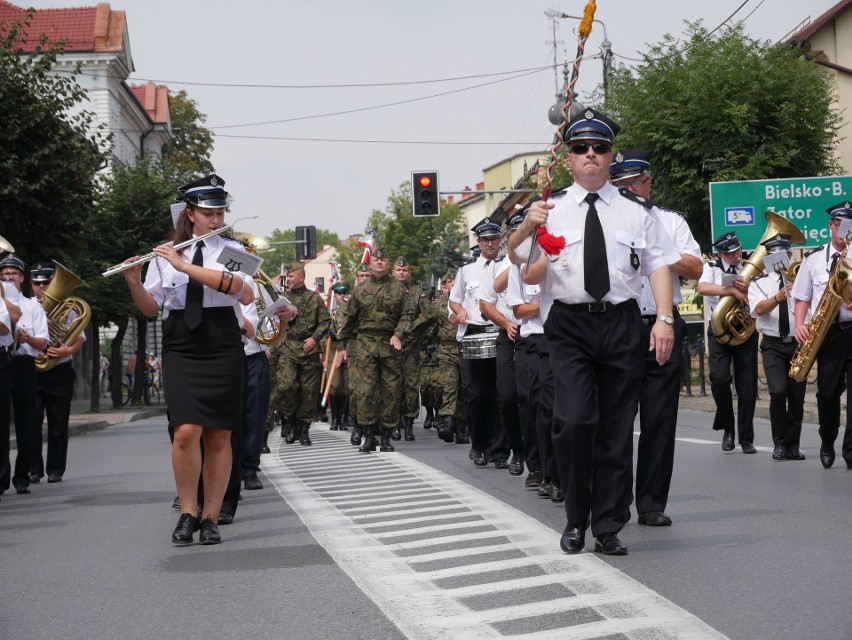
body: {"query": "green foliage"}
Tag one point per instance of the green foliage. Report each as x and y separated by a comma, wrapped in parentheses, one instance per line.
(48, 158)
(187, 154)
(724, 107)
(283, 253)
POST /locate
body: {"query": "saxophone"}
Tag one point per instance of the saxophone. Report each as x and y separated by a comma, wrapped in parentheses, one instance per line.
(838, 290)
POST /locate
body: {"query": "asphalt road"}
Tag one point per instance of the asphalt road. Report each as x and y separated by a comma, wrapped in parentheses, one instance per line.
(421, 544)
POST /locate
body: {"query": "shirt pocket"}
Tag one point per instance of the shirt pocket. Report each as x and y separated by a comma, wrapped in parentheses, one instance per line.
(572, 253)
(628, 251)
(174, 287)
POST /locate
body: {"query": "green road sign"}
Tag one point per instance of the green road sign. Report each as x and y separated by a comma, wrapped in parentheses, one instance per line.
(739, 206)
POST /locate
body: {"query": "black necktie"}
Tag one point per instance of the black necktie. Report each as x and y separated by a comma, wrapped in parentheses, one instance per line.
(595, 263)
(194, 292)
(834, 259)
(731, 269)
(783, 312)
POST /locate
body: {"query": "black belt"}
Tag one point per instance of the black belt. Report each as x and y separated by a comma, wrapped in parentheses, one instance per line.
(593, 307)
(784, 340)
(15, 357)
(473, 329)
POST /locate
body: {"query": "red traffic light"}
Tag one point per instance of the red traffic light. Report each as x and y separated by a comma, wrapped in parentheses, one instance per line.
(425, 181)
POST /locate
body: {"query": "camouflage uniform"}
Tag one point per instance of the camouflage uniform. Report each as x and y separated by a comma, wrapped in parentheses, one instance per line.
(338, 393)
(299, 371)
(378, 309)
(428, 367)
(410, 397)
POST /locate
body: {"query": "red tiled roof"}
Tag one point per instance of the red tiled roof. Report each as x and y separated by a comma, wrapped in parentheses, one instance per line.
(830, 15)
(95, 29)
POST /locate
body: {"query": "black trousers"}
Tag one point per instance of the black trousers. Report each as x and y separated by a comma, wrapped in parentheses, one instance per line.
(479, 381)
(24, 401)
(5, 406)
(658, 404)
(786, 396)
(257, 406)
(597, 362)
(55, 391)
(544, 414)
(744, 359)
(834, 376)
(510, 437)
(529, 396)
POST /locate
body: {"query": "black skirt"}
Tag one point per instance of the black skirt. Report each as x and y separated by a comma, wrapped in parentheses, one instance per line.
(204, 370)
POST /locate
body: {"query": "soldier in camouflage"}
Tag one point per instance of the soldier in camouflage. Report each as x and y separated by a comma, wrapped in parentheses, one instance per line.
(299, 367)
(338, 395)
(362, 274)
(378, 315)
(410, 398)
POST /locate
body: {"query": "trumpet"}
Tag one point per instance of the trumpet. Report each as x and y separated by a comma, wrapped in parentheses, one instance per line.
(124, 266)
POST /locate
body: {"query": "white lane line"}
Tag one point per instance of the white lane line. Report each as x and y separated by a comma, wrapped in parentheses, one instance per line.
(435, 582)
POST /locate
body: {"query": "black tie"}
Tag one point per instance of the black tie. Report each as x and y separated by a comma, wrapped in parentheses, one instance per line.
(595, 263)
(834, 259)
(783, 312)
(731, 269)
(194, 292)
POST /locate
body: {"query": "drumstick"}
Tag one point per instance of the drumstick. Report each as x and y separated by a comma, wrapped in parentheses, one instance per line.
(330, 378)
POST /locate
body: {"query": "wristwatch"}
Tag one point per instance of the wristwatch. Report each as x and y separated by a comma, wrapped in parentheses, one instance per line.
(666, 319)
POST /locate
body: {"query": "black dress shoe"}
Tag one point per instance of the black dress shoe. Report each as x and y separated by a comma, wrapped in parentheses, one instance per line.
(793, 453)
(22, 488)
(266, 449)
(516, 466)
(728, 441)
(654, 519)
(573, 539)
(556, 494)
(35, 478)
(187, 525)
(501, 463)
(826, 457)
(479, 458)
(609, 545)
(54, 477)
(225, 518)
(748, 447)
(533, 480)
(209, 532)
(544, 489)
(779, 453)
(252, 483)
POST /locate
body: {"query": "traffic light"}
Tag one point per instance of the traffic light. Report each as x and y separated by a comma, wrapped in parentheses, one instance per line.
(425, 197)
(306, 243)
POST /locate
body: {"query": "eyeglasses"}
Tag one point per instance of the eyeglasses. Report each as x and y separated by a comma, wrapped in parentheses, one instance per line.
(636, 184)
(583, 147)
(493, 240)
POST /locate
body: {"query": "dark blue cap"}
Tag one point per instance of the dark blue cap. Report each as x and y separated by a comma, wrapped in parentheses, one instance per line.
(591, 125)
(840, 210)
(778, 242)
(629, 163)
(207, 192)
(726, 242)
(42, 271)
(486, 228)
(13, 261)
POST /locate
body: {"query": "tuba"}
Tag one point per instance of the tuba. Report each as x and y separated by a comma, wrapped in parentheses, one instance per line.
(67, 317)
(269, 329)
(732, 321)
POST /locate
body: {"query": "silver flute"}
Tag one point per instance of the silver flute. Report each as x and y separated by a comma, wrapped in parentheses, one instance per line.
(150, 256)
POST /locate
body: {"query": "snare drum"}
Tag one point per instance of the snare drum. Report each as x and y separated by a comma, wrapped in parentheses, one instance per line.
(479, 347)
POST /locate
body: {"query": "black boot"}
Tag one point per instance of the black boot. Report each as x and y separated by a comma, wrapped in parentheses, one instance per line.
(357, 432)
(304, 434)
(430, 418)
(283, 427)
(266, 448)
(369, 441)
(345, 418)
(335, 414)
(461, 434)
(409, 429)
(446, 428)
(289, 430)
(386, 445)
(395, 432)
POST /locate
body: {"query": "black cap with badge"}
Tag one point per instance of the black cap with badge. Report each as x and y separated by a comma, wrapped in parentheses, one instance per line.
(727, 242)
(591, 125)
(778, 242)
(840, 210)
(42, 272)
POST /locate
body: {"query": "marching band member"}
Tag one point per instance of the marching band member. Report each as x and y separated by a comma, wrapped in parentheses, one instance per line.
(203, 359)
(9, 314)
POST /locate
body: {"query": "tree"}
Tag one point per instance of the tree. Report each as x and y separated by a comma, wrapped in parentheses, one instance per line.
(724, 107)
(187, 154)
(281, 254)
(48, 157)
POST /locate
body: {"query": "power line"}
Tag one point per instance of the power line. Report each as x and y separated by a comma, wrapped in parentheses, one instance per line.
(361, 141)
(736, 11)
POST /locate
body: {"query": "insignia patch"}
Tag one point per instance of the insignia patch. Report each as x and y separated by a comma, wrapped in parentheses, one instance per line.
(589, 115)
(619, 157)
(213, 181)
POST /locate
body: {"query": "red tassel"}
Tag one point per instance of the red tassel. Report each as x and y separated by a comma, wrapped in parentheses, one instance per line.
(549, 243)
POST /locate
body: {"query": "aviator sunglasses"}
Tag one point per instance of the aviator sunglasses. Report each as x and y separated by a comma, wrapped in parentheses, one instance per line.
(583, 147)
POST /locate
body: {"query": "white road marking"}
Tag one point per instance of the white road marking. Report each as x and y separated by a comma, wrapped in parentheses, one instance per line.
(444, 560)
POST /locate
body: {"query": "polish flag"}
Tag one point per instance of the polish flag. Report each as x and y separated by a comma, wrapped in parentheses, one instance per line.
(367, 243)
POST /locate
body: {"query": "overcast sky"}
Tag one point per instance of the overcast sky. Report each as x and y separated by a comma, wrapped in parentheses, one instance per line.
(336, 185)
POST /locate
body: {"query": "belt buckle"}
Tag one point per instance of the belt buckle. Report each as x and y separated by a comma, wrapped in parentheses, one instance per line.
(787, 339)
(597, 307)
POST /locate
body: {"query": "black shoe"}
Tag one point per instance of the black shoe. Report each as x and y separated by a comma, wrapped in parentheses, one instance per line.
(22, 488)
(54, 477)
(479, 458)
(395, 433)
(209, 532)
(386, 445)
(556, 494)
(748, 447)
(355, 438)
(461, 436)
(728, 441)
(35, 478)
(289, 430)
(533, 480)
(304, 435)
(225, 518)
(779, 453)
(446, 427)
(655, 519)
(427, 423)
(544, 489)
(266, 449)
(793, 453)
(501, 463)
(409, 429)
(516, 466)
(370, 443)
(252, 483)
(186, 526)
(826, 457)
(609, 545)
(573, 539)
(176, 503)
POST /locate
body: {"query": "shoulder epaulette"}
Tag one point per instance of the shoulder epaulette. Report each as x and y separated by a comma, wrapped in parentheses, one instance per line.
(674, 211)
(558, 194)
(499, 259)
(762, 275)
(645, 202)
(807, 253)
(464, 264)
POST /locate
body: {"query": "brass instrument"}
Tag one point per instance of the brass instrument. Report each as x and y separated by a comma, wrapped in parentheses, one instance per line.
(838, 290)
(268, 329)
(731, 321)
(6, 246)
(124, 266)
(67, 317)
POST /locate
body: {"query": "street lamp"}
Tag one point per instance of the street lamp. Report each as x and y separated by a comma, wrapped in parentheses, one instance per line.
(554, 114)
(606, 45)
